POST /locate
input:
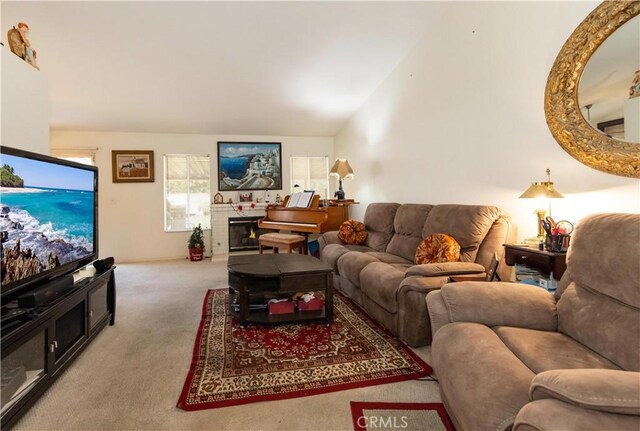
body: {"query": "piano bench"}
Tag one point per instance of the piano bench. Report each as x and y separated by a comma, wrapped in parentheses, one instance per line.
(282, 240)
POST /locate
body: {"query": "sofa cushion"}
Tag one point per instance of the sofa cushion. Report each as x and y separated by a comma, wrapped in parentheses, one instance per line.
(407, 226)
(546, 350)
(380, 283)
(437, 248)
(600, 308)
(604, 256)
(378, 218)
(352, 232)
(332, 252)
(360, 248)
(602, 324)
(389, 258)
(468, 224)
(352, 263)
(401, 266)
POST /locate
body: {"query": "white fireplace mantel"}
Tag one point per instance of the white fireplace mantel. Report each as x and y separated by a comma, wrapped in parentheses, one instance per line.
(220, 214)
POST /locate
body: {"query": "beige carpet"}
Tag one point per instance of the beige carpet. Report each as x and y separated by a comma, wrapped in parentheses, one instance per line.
(130, 376)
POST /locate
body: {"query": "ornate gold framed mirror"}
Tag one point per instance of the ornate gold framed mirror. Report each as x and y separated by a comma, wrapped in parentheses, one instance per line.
(562, 110)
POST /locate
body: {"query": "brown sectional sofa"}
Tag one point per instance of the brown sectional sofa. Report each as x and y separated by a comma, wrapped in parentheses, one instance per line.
(381, 275)
(512, 356)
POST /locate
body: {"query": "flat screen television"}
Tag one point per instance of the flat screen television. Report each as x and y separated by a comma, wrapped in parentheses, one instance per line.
(48, 219)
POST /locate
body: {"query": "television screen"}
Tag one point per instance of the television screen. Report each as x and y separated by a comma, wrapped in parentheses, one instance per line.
(48, 211)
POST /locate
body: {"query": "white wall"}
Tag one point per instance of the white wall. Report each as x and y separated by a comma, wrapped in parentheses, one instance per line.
(25, 105)
(461, 119)
(131, 217)
(632, 119)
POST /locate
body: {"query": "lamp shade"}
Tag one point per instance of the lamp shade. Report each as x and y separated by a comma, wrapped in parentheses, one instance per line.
(341, 169)
(535, 190)
(541, 190)
(544, 189)
(552, 193)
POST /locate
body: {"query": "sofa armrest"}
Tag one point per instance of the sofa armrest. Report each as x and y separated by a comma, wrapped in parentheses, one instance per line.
(438, 313)
(553, 414)
(500, 304)
(327, 238)
(612, 391)
(445, 268)
(421, 284)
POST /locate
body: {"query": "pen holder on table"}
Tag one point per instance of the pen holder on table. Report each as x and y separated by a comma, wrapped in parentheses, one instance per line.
(557, 243)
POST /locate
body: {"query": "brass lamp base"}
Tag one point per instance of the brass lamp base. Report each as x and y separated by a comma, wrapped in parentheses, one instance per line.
(541, 232)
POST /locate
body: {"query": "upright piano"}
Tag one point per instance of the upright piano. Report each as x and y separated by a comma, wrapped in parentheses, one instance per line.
(314, 219)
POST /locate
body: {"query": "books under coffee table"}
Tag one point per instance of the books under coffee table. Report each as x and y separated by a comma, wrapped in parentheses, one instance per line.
(257, 278)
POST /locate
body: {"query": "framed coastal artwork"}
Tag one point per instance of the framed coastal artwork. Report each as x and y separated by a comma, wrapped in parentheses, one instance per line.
(132, 166)
(249, 166)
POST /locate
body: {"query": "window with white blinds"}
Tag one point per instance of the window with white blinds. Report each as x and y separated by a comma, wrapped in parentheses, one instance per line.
(85, 156)
(187, 192)
(311, 173)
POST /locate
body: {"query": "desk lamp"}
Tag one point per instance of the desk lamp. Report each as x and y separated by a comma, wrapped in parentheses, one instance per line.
(543, 190)
(341, 169)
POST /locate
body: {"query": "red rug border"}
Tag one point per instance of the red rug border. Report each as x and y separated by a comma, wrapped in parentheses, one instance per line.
(302, 393)
(194, 354)
(358, 407)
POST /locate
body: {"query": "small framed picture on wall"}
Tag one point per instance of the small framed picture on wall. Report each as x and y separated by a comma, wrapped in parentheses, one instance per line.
(132, 166)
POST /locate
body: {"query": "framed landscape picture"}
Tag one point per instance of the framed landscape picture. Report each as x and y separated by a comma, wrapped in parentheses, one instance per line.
(249, 166)
(132, 166)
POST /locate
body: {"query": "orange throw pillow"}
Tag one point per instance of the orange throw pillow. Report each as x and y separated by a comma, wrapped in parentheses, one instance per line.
(437, 248)
(352, 232)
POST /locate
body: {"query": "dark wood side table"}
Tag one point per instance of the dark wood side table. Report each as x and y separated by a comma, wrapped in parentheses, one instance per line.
(544, 261)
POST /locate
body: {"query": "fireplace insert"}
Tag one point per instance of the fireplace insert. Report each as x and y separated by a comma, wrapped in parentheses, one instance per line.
(244, 233)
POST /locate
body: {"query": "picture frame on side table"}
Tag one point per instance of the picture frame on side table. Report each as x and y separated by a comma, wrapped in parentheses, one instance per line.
(249, 166)
(132, 166)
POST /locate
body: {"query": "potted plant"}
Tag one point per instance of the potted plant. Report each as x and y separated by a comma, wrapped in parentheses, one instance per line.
(196, 244)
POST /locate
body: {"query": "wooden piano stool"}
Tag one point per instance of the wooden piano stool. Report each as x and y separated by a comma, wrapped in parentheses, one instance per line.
(283, 240)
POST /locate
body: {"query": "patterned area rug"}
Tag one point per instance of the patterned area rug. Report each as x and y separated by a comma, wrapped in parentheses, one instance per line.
(233, 365)
(405, 416)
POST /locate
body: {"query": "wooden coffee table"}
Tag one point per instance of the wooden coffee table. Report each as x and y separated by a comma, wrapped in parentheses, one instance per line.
(254, 278)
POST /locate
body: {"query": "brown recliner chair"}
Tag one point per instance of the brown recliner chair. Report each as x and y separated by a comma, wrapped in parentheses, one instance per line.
(512, 356)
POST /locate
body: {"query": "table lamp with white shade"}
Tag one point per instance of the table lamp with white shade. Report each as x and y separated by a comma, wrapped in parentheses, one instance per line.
(341, 169)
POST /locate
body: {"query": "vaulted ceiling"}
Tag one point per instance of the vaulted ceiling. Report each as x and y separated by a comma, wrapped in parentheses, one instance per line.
(272, 68)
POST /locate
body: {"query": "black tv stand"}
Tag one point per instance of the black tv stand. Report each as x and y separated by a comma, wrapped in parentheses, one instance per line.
(39, 343)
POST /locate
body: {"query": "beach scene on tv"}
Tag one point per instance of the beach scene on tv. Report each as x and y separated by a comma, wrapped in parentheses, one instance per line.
(46, 216)
(249, 166)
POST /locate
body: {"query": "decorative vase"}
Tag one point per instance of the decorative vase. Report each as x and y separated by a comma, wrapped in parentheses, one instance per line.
(196, 254)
